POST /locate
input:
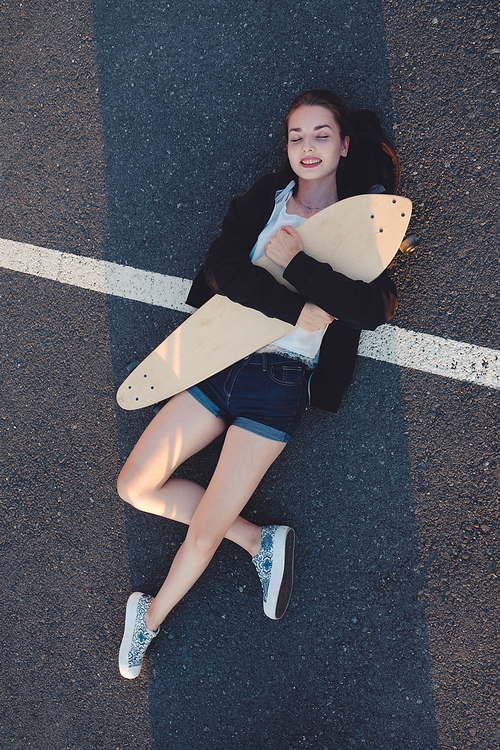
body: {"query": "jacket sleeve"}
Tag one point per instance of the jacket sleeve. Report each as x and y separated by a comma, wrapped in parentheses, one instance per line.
(228, 268)
(361, 305)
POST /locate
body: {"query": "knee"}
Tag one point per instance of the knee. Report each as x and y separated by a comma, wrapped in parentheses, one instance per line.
(127, 489)
(203, 543)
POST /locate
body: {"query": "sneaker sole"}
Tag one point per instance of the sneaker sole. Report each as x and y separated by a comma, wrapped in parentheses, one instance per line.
(281, 583)
(129, 673)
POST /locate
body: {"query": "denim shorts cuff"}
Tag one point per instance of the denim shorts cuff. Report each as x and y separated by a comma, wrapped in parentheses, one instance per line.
(262, 429)
(203, 399)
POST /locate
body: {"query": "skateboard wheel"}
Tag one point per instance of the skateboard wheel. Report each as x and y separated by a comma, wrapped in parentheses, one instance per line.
(130, 366)
(409, 243)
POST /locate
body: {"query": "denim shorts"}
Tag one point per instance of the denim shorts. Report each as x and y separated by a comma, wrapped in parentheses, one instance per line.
(263, 393)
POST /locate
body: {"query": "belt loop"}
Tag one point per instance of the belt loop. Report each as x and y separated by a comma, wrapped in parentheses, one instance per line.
(264, 362)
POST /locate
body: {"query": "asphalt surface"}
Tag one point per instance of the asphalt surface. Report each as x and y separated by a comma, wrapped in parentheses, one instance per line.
(126, 131)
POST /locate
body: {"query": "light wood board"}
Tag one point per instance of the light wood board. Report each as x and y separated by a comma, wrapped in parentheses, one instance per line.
(358, 237)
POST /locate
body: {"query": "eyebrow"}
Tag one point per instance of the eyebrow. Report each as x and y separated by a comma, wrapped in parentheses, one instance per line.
(299, 130)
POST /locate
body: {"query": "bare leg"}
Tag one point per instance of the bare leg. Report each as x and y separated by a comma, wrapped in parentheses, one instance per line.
(244, 459)
(181, 429)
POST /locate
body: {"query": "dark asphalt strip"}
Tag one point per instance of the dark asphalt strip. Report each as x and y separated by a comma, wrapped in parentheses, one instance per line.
(191, 99)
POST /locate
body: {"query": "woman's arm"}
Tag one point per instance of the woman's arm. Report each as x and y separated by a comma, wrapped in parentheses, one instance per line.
(229, 271)
(228, 268)
(361, 305)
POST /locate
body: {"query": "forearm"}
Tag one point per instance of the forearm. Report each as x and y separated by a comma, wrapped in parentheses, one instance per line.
(232, 274)
(361, 305)
(229, 271)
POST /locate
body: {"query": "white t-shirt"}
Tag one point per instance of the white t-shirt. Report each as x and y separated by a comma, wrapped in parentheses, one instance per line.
(299, 341)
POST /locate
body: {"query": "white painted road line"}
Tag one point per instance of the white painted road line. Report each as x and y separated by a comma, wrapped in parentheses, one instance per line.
(418, 351)
(421, 351)
(97, 275)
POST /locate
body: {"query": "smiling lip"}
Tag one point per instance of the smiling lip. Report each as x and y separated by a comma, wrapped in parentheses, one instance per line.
(308, 163)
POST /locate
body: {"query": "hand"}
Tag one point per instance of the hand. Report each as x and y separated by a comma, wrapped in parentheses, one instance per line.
(283, 246)
(313, 318)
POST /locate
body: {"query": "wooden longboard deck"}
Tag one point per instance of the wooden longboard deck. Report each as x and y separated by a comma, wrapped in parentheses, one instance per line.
(358, 237)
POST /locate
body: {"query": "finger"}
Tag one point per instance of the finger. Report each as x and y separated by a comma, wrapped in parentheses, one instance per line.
(275, 239)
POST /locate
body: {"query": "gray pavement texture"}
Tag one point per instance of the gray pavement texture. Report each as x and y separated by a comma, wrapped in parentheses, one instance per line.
(127, 128)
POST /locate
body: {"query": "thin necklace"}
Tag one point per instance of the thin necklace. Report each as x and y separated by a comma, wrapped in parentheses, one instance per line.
(308, 208)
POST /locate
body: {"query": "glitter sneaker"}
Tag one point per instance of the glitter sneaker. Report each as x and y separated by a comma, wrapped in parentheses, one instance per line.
(274, 563)
(136, 636)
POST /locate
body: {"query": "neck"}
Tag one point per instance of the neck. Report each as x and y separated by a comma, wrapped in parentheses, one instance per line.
(317, 196)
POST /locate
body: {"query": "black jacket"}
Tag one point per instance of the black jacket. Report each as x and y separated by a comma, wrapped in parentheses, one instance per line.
(357, 305)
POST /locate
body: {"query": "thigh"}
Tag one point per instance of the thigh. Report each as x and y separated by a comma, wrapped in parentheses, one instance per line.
(244, 459)
(182, 428)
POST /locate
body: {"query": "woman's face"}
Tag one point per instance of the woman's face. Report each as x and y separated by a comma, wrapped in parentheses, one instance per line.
(315, 144)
